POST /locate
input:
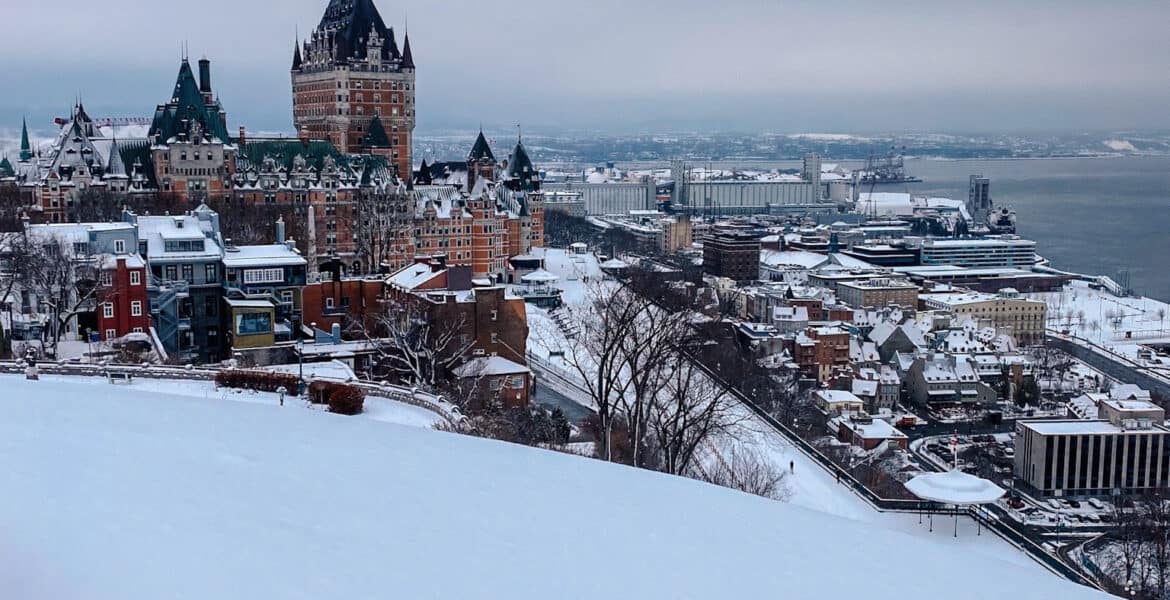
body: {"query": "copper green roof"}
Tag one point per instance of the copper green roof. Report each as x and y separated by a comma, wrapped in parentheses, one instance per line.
(187, 106)
(376, 134)
(25, 147)
(6, 169)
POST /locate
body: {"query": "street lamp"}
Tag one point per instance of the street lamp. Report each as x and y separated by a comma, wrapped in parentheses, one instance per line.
(300, 366)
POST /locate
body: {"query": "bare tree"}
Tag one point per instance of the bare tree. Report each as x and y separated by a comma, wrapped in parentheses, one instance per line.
(692, 409)
(609, 317)
(1126, 531)
(413, 346)
(1156, 509)
(649, 354)
(748, 472)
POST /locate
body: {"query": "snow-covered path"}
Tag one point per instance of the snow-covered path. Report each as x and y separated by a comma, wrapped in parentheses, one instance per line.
(378, 409)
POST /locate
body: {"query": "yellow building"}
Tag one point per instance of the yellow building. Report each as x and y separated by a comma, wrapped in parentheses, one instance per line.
(1021, 318)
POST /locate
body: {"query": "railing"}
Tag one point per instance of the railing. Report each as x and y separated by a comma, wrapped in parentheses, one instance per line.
(987, 517)
(414, 397)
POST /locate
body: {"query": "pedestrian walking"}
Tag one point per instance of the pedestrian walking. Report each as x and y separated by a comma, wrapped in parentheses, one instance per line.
(791, 466)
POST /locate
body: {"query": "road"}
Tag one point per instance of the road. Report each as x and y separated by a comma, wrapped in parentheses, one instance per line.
(546, 396)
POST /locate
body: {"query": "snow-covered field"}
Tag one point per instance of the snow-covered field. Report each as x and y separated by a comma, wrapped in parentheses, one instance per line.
(131, 492)
(1106, 319)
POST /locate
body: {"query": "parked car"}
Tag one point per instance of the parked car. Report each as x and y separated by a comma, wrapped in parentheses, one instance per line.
(1054, 504)
(1097, 504)
(1074, 503)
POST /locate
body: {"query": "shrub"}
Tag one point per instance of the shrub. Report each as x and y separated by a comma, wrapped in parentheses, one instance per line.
(346, 400)
(260, 381)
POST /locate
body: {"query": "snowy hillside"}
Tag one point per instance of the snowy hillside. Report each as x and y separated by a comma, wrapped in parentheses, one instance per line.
(127, 492)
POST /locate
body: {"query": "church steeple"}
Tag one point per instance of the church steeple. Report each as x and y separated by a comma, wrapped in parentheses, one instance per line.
(25, 146)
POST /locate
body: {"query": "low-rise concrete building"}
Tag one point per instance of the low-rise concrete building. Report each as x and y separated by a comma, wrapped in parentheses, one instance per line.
(878, 293)
(1128, 451)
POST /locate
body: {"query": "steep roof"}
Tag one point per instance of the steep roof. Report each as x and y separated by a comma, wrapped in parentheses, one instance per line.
(350, 22)
(376, 134)
(6, 169)
(407, 55)
(186, 106)
(115, 166)
(521, 170)
(296, 64)
(25, 147)
(481, 149)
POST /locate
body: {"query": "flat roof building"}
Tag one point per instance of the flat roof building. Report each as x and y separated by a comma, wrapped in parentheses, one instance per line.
(1007, 251)
(1126, 452)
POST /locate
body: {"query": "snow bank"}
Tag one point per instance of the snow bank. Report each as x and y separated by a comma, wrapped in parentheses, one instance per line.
(119, 493)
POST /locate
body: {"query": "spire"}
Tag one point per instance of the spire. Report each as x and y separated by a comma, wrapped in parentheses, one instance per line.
(25, 147)
(521, 170)
(115, 166)
(376, 135)
(407, 55)
(6, 169)
(481, 150)
(296, 66)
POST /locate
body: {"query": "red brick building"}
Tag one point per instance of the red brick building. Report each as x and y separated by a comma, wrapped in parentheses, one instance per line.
(353, 86)
(123, 306)
(820, 351)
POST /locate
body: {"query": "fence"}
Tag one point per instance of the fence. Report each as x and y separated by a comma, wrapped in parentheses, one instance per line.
(985, 516)
(412, 396)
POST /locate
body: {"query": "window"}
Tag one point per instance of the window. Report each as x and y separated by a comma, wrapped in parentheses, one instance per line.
(183, 246)
(108, 310)
(329, 303)
(106, 278)
(286, 297)
(253, 323)
(111, 334)
(189, 273)
(210, 306)
(210, 272)
(172, 273)
(136, 308)
(142, 246)
(135, 278)
(137, 330)
(253, 276)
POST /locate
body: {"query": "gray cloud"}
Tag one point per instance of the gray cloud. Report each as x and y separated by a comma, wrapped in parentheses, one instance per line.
(610, 64)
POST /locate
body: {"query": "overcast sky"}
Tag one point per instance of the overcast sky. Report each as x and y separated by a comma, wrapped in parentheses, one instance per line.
(616, 65)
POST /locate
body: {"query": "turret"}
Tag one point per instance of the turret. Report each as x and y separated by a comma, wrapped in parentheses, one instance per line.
(25, 147)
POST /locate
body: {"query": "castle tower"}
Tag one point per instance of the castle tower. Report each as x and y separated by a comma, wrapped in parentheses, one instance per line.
(349, 71)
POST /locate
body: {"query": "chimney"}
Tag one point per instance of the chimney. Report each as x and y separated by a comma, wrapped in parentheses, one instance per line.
(243, 136)
(280, 230)
(304, 135)
(336, 333)
(205, 76)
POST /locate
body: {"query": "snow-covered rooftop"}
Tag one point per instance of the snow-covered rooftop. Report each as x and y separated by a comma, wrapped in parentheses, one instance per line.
(264, 255)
